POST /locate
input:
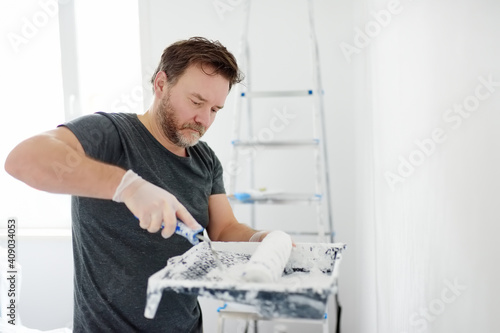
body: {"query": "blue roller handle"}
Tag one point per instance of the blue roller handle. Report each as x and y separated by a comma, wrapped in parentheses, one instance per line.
(188, 233)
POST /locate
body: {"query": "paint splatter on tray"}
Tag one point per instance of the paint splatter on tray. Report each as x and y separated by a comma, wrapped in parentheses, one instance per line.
(302, 291)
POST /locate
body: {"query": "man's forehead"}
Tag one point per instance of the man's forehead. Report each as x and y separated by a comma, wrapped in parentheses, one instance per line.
(206, 71)
(204, 86)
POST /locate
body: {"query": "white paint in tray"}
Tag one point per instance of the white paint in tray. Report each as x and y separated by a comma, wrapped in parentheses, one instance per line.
(301, 291)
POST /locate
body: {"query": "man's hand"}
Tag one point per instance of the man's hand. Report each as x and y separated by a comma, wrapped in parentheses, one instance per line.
(152, 205)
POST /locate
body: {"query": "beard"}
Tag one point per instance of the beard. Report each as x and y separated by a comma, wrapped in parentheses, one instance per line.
(168, 122)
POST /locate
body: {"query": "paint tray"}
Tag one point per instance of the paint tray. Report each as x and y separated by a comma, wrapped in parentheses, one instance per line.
(302, 292)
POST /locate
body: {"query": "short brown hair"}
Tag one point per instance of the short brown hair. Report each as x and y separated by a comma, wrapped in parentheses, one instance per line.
(177, 57)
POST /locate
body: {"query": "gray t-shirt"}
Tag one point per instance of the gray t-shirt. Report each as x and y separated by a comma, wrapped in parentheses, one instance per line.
(113, 256)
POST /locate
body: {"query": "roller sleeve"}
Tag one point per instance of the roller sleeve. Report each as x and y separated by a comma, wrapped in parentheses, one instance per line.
(269, 259)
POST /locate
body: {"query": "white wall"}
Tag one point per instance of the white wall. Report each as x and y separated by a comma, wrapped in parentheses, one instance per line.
(47, 283)
(436, 226)
(44, 290)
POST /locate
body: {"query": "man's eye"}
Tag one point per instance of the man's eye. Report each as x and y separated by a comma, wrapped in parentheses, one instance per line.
(195, 103)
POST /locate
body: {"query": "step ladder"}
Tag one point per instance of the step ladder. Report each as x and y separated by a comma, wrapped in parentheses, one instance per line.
(317, 143)
(253, 198)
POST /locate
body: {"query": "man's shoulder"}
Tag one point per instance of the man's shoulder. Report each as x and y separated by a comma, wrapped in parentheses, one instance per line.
(118, 115)
(100, 116)
(120, 121)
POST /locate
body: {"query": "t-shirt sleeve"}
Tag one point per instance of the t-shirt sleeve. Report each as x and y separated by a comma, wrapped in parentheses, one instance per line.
(98, 136)
(218, 180)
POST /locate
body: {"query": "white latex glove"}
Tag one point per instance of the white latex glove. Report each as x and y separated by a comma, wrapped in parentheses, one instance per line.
(152, 205)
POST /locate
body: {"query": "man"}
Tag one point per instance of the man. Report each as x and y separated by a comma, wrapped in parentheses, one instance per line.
(126, 171)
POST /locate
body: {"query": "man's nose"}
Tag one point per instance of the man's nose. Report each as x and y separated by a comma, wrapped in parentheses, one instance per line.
(204, 117)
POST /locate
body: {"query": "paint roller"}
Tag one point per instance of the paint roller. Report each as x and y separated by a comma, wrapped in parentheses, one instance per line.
(269, 259)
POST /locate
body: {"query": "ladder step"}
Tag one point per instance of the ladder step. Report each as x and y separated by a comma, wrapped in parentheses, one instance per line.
(278, 198)
(294, 143)
(286, 93)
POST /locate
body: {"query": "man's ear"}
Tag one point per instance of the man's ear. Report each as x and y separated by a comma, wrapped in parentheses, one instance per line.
(160, 83)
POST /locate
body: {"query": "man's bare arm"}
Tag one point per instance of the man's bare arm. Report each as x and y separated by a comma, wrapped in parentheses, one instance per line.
(223, 224)
(54, 161)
